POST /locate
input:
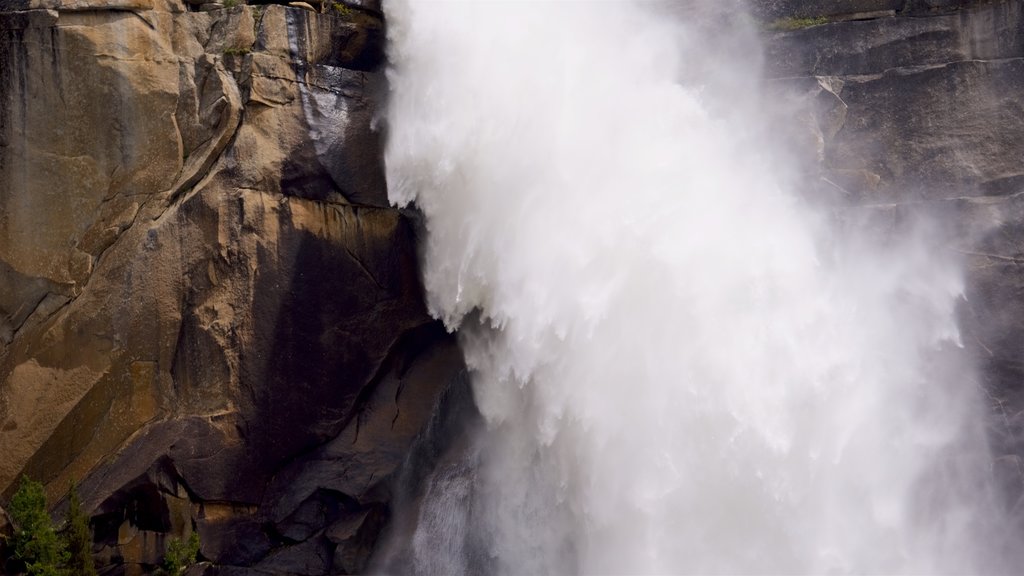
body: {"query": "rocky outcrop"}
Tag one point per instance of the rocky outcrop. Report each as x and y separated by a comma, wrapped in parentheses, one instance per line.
(922, 107)
(210, 318)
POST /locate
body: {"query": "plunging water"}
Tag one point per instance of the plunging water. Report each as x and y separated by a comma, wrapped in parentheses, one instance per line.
(684, 366)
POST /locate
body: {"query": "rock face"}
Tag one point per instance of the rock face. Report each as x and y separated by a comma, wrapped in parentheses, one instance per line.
(923, 106)
(210, 318)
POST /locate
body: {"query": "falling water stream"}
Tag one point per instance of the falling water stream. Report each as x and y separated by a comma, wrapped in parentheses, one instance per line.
(684, 365)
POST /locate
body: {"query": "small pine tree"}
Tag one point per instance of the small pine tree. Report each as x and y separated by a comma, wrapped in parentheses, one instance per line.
(35, 541)
(181, 555)
(78, 537)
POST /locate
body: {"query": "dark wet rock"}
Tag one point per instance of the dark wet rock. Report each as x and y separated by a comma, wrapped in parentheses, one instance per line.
(924, 109)
(877, 45)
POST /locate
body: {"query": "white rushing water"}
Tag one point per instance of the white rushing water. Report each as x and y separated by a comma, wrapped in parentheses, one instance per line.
(684, 367)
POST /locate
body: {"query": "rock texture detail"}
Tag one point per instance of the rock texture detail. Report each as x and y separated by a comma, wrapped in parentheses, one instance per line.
(923, 107)
(209, 315)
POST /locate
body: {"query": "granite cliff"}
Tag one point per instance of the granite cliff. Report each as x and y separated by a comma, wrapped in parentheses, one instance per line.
(212, 320)
(918, 106)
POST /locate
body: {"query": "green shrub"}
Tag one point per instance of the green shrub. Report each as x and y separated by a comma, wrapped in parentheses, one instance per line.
(181, 554)
(343, 10)
(78, 537)
(231, 3)
(35, 541)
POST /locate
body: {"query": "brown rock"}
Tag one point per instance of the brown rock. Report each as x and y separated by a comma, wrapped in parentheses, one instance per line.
(202, 287)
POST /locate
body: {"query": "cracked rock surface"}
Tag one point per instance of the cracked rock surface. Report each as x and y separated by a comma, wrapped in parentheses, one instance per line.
(210, 318)
(919, 106)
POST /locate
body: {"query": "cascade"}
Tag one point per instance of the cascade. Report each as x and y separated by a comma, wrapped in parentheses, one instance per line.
(685, 363)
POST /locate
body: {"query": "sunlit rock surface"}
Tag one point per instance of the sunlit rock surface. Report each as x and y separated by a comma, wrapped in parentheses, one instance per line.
(209, 315)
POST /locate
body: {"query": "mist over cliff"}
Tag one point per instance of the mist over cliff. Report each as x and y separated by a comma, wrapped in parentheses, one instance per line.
(686, 362)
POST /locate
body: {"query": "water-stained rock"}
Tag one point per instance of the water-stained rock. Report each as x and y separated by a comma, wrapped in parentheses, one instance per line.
(932, 117)
(204, 288)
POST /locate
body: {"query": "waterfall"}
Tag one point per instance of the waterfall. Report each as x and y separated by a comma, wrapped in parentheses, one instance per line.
(684, 364)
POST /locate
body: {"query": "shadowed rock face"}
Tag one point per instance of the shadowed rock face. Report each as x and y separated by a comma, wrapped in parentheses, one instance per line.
(209, 315)
(923, 109)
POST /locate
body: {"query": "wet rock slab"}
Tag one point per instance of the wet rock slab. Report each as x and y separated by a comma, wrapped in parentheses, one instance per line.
(923, 110)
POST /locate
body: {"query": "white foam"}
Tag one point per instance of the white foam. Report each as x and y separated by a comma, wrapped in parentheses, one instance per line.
(684, 367)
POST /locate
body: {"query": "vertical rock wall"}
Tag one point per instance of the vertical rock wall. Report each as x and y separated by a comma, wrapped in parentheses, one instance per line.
(919, 107)
(209, 315)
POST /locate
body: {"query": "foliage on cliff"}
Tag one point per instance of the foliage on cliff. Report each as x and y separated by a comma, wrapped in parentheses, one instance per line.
(78, 537)
(37, 546)
(36, 543)
(180, 555)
